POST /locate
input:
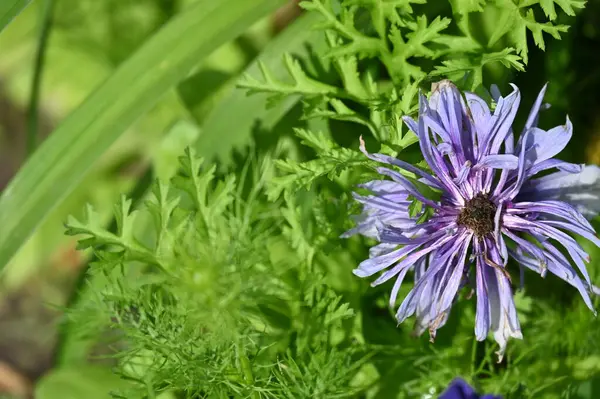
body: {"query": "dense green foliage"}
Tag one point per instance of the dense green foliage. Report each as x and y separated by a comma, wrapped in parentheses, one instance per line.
(226, 276)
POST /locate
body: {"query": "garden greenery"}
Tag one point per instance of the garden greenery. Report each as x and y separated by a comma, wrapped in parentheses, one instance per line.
(231, 279)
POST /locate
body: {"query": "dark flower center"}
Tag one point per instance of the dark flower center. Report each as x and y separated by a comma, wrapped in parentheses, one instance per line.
(478, 215)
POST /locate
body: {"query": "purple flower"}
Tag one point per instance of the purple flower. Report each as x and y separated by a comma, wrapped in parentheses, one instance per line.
(490, 207)
(459, 389)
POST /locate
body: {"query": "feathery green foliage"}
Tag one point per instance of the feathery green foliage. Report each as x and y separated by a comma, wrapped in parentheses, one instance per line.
(211, 301)
(234, 282)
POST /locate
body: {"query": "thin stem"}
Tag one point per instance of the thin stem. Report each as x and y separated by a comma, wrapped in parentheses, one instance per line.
(40, 58)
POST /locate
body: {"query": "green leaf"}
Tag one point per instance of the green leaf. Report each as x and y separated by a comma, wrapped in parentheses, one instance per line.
(98, 235)
(332, 161)
(222, 133)
(64, 158)
(568, 6)
(515, 20)
(455, 69)
(90, 382)
(10, 9)
(467, 6)
(386, 9)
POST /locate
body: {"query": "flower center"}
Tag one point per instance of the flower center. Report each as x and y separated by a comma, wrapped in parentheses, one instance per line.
(478, 215)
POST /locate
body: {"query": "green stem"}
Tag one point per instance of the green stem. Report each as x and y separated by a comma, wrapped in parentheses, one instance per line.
(40, 58)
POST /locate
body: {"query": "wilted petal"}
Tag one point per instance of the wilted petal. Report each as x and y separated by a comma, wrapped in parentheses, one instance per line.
(482, 315)
(503, 315)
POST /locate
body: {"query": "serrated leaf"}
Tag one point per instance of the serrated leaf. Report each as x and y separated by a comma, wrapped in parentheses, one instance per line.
(347, 68)
(568, 6)
(459, 68)
(97, 235)
(514, 21)
(382, 10)
(209, 199)
(296, 175)
(537, 29)
(467, 6)
(415, 45)
(314, 140)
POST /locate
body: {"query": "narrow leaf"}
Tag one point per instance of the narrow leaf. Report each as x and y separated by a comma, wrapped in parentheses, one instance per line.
(10, 9)
(62, 161)
(231, 123)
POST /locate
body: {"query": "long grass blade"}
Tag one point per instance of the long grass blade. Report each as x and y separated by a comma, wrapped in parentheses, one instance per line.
(62, 161)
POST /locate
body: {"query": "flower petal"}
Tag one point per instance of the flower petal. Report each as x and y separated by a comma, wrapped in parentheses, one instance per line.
(503, 315)
(542, 145)
(532, 119)
(459, 389)
(582, 190)
(373, 265)
(502, 120)
(480, 112)
(482, 315)
(499, 161)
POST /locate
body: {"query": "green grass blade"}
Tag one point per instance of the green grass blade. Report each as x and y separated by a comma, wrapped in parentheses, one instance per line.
(10, 9)
(55, 169)
(230, 124)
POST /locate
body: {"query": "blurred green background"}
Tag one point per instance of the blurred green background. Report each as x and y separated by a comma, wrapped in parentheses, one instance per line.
(88, 39)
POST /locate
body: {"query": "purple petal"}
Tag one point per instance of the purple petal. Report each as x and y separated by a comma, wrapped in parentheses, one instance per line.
(373, 265)
(446, 102)
(381, 249)
(463, 174)
(481, 115)
(412, 258)
(453, 282)
(385, 187)
(552, 208)
(396, 287)
(513, 190)
(404, 165)
(535, 109)
(554, 163)
(543, 145)
(582, 190)
(482, 315)
(499, 161)
(409, 305)
(503, 315)
(408, 185)
(459, 389)
(411, 124)
(503, 117)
